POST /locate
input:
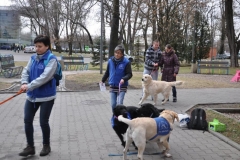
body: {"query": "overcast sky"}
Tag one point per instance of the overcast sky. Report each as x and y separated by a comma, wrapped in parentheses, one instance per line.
(5, 2)
(93, 26)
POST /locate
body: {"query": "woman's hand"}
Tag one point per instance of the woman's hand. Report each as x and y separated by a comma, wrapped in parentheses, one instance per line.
(24, 87)
(122, 81)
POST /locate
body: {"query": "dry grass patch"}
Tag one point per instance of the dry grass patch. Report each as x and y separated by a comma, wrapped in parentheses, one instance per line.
(20, 63)
(190, 81)
(4, 85)
(232, 126)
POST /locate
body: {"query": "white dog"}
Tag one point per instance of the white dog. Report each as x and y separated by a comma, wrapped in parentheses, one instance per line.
(141, 130)
(152, 87)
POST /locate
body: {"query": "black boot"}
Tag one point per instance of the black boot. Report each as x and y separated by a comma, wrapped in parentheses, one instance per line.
(45, 150)
(164, 100)
(174, 99)
(29, 150)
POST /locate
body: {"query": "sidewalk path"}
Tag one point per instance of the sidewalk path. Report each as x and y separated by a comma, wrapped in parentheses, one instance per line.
(81, 128)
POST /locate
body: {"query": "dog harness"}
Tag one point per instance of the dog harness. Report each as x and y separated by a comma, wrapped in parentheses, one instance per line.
(163, 127)
(115, 117)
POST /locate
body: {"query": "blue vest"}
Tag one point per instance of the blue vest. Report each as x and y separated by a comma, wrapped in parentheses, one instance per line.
(116, 72)
(36, 69)
(163, 127)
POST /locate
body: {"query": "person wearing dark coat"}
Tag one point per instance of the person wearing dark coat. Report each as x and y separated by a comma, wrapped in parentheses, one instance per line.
(170, 67)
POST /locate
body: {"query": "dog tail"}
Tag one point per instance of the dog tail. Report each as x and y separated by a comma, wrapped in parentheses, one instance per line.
(176, 83)
(124, 120)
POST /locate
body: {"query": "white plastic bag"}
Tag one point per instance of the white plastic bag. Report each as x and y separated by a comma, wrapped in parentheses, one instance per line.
(183, 120)
(102, 87)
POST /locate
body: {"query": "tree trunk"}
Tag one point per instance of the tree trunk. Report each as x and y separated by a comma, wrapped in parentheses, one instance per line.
(154, 18)
(230, 31)
(114, 28)
(129, 33)
(223, 30)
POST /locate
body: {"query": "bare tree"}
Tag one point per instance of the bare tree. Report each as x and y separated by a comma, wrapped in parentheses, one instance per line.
(223, 28)
(231, 32)
(114, 28)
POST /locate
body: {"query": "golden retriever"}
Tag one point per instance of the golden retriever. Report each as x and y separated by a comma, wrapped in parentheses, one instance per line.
(153, 88)
(141, 130)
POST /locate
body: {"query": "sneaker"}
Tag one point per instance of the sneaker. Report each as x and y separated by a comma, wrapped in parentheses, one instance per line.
(174, 99)
(45, 150)
(29, 150)
(164, 100)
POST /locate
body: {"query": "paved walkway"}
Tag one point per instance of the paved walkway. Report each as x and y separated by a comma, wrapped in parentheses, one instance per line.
(81, 128)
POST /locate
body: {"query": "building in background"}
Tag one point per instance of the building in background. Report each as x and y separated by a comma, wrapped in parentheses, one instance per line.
(10, 27)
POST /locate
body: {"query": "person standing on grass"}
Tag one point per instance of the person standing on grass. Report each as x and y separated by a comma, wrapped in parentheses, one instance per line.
(118, 73)
(37, 80)
(170, 67)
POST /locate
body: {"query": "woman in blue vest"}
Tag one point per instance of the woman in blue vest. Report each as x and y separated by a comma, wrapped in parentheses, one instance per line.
(118, 73)
(37, 80)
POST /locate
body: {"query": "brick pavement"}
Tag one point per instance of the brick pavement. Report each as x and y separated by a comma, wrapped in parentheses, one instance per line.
(81, 129)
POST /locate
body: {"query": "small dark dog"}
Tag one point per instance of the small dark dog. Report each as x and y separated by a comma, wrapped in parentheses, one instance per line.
(131, 112)
(149, 110)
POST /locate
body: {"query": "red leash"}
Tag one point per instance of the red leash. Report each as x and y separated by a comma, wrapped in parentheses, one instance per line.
(19, 92)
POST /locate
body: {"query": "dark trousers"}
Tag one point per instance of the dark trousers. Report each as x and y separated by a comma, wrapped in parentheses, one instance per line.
(29, 112)
(174, 91)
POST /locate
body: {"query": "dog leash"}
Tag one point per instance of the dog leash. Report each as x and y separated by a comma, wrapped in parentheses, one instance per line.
(132, 153)
(18, 93)
(119, 90)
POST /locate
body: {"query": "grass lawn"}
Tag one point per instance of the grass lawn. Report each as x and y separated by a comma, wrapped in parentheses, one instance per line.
(232, 126)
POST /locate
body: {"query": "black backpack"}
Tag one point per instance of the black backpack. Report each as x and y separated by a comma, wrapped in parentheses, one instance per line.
(198, 120)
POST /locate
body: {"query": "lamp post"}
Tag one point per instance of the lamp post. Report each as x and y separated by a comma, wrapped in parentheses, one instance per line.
(101, 42)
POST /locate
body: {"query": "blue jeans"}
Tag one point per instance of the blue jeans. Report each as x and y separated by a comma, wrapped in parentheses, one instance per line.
(116, 98)
(154, 74)
(29, 112)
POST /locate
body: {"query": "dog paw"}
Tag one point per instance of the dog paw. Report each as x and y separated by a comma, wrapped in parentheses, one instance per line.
(140, 103)
(168, 155)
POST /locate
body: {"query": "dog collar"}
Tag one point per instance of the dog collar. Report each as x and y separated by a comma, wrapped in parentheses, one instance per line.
(115, 117)
(129, 116)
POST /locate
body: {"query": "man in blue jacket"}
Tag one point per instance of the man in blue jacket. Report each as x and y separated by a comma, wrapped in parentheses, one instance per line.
(118, 73)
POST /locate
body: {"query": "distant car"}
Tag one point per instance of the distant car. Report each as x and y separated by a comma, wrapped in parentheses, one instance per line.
(227, 56)
(6, 47)
(30, 49)
(223, 56)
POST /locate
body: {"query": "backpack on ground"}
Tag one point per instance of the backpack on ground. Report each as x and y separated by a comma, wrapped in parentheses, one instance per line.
(58, 73)
(198, 120)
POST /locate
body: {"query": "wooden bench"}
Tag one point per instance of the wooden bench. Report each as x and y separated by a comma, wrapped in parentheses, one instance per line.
(74, 63)
(8, 68)
(211, 65)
